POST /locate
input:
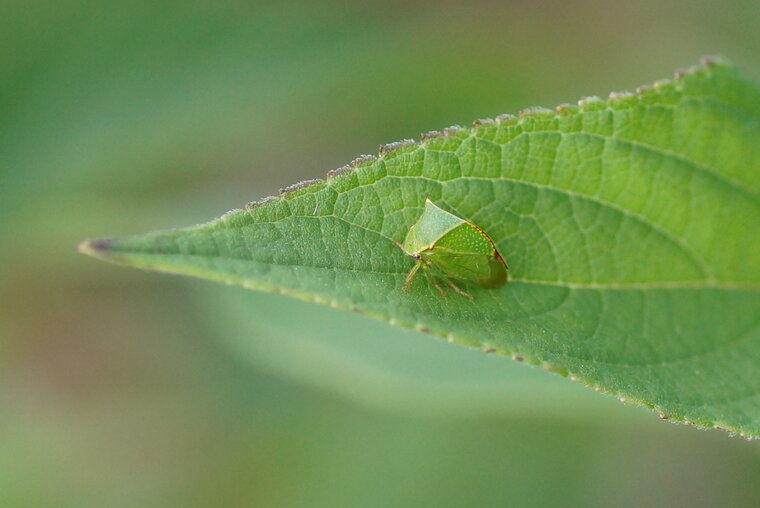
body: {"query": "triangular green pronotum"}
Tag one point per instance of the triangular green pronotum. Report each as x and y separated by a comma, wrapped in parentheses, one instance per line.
(630, 225)
(453, 252)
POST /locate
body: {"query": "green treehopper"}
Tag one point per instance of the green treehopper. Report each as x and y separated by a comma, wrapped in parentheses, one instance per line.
(449, 248)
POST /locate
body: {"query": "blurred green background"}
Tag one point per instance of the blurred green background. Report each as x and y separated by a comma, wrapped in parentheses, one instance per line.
(124, 388)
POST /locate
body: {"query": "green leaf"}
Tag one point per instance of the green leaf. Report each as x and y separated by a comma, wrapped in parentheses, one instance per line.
(387, 369)
(630, 226)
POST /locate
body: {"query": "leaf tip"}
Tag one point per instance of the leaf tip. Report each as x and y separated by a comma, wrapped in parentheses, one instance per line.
(95, 248)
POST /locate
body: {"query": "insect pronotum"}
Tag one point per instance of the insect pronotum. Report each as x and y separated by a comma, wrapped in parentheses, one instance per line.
(450, 249)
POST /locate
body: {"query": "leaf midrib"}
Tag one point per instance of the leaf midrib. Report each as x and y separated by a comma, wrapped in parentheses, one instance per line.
(633, 286)
(649, 224)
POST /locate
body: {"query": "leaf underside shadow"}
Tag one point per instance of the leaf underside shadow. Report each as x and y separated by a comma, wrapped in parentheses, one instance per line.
(629, 226)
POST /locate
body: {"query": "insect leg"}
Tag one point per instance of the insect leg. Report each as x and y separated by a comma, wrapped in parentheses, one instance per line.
(459, 291)
(410, 276)
(439, 288)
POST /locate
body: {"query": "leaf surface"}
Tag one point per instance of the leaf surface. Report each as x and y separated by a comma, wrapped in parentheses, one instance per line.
(630, 226)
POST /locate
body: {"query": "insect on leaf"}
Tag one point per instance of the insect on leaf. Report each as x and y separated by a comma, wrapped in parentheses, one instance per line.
(452, 250)
(630, 225)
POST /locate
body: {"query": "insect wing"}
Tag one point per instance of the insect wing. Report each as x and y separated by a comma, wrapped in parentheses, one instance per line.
(485, 271)
(498, 272)
(468, 254)
(458, 265)
(431, 226)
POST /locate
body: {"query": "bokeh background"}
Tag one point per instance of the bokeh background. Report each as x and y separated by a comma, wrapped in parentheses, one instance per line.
(124, 388)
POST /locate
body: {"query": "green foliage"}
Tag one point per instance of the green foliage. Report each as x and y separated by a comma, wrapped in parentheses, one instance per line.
(629, 226)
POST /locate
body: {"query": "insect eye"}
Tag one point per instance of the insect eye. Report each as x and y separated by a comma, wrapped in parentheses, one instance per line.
(416, 255)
